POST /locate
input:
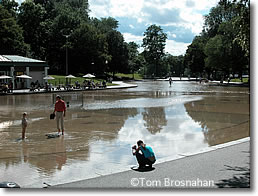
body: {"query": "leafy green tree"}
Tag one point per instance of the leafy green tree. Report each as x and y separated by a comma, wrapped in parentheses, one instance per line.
(118, 51)
(219, 47)
(142, 64)
(216, 52)
(224, 11)
(154, 43)
(242, 25)
(227, 54)
(133, 54)
(11, 6)
(67, 17)
(194, 57)
(89, 50)
(105, 25)
(32, 19)
(176, 65)
(11, 39)
(235, 60)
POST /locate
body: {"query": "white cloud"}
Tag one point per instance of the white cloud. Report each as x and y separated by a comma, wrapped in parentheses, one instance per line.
(131, 26)
(205, 4)
(19, 1)
(116, 8)
(182, 19)
(176, 48)
(194, 21)
(172, 47)
(130, 38)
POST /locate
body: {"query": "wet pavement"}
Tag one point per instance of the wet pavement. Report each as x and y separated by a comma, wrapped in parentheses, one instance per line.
(101, 127)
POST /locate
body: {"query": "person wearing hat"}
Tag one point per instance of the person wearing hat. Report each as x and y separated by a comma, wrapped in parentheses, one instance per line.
(24, 124)
(60, 110)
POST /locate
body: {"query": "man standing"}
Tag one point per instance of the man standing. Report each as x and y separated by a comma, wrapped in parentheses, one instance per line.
(59, 111)
(147, 156)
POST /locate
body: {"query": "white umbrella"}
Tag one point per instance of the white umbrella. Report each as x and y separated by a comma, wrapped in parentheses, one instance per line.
(48, 78)
(70, 76)
(5, 77)
(24, 77)
(88, 76)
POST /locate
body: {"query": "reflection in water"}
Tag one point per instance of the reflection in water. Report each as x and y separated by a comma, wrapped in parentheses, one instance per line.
(155, 119)
(222, 119)
(98, 136)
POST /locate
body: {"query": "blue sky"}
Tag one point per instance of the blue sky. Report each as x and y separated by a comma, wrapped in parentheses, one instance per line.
(182, 20)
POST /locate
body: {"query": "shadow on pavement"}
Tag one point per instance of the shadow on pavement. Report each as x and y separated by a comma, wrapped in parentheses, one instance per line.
(146, 169)
(241, 180)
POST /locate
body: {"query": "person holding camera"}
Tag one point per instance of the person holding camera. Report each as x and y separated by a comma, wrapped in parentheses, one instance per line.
(144, 155)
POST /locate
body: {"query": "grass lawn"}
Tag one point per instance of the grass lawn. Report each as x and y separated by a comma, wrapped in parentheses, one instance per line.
(136, 76)
(59, 79)
(62, 80)
(238, 80)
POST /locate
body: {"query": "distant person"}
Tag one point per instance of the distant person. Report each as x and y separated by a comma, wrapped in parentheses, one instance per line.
(104, 84)
(50, 87)
(170, 81)
(146, 157)
(60, 110)
(46, 86)
(24, 124)
(228, 80)
(10, 87)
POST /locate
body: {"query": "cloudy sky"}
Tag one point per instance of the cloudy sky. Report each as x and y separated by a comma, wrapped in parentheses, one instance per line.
(181, 20)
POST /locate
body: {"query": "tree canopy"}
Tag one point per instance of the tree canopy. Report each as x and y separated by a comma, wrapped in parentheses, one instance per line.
(223, 47)
(60, 31)
(154, 43)
(11, 34)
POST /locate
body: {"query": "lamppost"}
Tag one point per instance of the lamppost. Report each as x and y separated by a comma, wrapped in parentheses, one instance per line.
(66, 53)
(155, 66)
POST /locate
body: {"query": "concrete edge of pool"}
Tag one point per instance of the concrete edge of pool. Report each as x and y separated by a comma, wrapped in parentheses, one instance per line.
(224, 154)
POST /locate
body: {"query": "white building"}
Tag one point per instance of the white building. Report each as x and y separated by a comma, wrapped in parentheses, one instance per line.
(13, 65)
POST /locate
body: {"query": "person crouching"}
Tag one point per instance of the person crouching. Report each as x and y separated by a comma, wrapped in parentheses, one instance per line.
(144, 155)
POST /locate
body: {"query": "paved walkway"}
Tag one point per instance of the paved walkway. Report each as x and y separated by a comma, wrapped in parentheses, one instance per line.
(226, 165)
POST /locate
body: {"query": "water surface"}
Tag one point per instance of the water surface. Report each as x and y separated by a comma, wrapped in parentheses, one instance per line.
(101, 127)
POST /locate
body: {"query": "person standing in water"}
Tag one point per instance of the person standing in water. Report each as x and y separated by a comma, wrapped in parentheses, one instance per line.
(60, 110)
(24, 124)
(170, 81)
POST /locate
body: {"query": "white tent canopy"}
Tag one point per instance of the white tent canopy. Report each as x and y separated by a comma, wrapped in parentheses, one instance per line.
(24, 77)
(48, 78)
(5, 77)
(70, 76)
(88, 76)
